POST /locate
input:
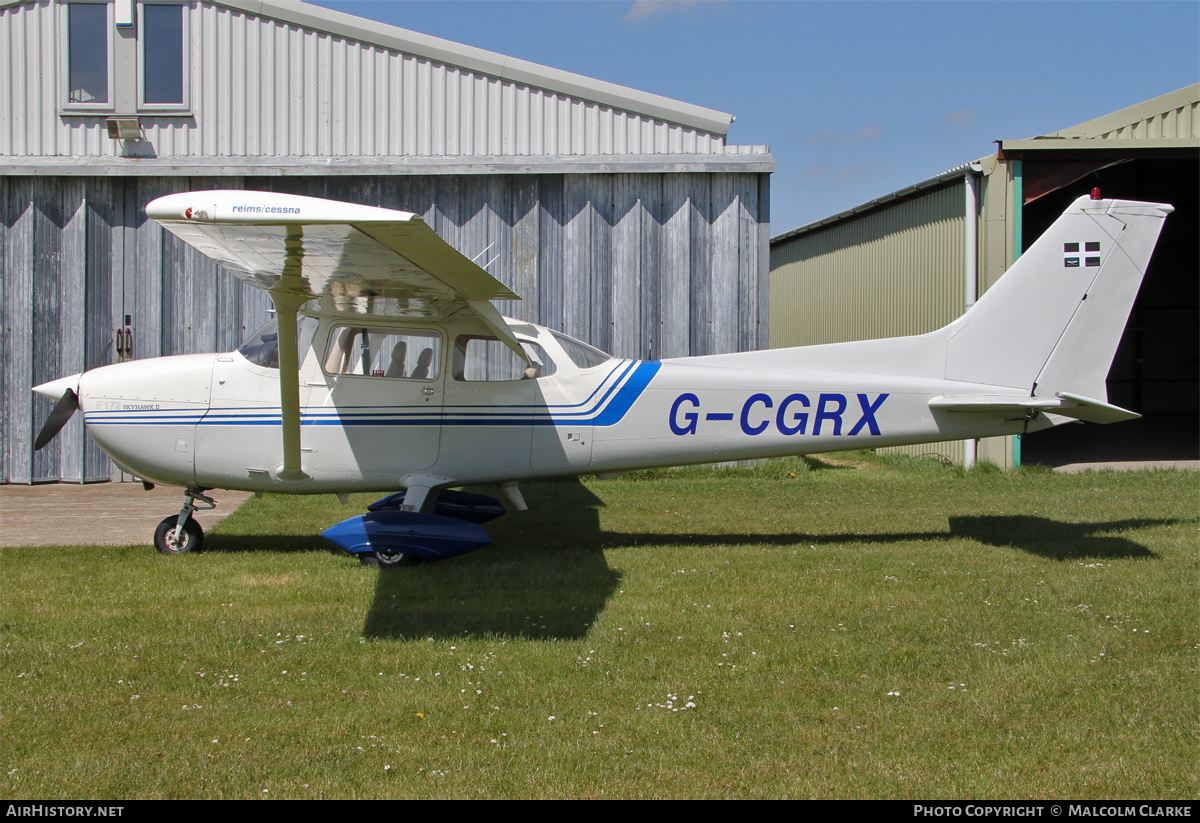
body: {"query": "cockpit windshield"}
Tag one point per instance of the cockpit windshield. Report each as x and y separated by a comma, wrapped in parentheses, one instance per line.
(581, 354)
(262, 347)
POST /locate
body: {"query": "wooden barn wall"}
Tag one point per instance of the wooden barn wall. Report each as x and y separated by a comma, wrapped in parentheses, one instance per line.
(642, 265)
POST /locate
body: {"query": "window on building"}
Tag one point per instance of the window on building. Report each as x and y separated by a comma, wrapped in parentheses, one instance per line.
(88, 55)
(163, 37)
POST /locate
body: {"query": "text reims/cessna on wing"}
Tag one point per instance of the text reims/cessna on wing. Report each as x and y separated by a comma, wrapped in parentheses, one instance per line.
(386, 367)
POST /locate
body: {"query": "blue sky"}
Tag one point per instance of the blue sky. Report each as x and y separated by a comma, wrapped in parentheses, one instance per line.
(855, 99)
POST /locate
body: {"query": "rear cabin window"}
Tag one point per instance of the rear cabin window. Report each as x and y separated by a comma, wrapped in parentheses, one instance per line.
(581, 354)
(405, 354)
(486, 359)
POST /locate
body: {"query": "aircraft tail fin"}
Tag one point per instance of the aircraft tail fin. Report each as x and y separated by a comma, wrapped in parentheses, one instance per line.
(1052, 323)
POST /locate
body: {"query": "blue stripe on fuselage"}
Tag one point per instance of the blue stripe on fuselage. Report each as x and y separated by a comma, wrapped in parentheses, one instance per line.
(609, 410)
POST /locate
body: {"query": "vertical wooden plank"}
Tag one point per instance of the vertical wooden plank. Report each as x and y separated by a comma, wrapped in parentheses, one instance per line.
(700, 319)
(577, 257)
(448, 197)
(228, 332)
(6, 218)
(600, 300)
(18, 330)
(748, 268)
(626, 266)
(116, 270)
(675, 271)
(72, 318)
(419, 195)
(525, 245)
(47, 317)
(174, 272)
(473, 216)
(195, 306)
(156, 278)
(649, 339)
(99, 207)
(149, 276)
(550, 251)
(253, 303)
(724, 264)
(499, 207)
(764, 260)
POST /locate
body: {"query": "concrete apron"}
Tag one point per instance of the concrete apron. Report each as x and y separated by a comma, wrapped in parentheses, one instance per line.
(97, 514)
(1128, 466)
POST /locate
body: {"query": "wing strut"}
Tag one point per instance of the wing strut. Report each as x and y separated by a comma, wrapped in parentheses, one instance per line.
(288, 295)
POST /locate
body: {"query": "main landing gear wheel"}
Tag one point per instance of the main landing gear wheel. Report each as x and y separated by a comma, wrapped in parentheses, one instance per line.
(190, 538)
(389, 560)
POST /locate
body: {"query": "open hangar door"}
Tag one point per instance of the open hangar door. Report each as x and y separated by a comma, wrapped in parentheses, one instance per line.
(1157, 368)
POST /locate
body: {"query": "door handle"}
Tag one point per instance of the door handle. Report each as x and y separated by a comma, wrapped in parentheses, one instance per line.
(124, 340)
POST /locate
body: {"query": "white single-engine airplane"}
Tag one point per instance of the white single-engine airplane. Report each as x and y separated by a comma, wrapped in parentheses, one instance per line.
(386, 367)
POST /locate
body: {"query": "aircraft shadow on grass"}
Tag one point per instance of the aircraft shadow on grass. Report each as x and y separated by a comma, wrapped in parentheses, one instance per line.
(556, 589)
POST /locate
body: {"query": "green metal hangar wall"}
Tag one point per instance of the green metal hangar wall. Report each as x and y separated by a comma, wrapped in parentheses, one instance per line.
(914, 260)
(620, 217)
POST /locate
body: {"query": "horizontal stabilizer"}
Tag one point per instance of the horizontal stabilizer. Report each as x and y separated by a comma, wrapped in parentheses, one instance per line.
(1012, 408)
(1094, 411)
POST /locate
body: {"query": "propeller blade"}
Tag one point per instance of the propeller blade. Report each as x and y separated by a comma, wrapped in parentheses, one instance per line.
(63, 409)
(102, 359)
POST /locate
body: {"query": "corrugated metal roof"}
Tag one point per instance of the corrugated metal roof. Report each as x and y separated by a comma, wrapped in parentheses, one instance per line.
(488, 62)
(1170, 121)
(1169, 115)
(282, 79)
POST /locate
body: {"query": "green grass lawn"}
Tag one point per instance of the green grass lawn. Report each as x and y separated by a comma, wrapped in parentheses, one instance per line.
(872, 629)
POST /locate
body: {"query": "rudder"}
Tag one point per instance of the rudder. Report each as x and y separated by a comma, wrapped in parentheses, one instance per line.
(1053, 321)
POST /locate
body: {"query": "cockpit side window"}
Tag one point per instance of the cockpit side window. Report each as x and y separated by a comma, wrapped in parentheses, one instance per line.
(262, 347)
(486, 359)
(374, 352)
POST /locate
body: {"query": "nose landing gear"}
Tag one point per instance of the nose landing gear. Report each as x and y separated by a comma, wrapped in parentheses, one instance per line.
(180, 533)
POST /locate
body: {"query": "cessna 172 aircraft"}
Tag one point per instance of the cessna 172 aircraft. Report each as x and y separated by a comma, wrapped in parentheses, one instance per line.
(387, 367)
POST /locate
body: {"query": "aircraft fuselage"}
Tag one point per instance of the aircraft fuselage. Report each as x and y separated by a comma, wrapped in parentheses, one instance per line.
(213, 420)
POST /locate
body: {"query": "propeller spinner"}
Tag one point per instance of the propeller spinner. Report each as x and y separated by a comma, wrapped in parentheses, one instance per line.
(64, 390)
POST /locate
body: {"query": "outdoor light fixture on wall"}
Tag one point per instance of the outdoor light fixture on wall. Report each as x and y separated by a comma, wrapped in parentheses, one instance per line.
(124, 128)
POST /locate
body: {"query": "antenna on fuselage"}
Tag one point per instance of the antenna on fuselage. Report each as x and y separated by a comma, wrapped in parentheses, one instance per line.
(482, 253)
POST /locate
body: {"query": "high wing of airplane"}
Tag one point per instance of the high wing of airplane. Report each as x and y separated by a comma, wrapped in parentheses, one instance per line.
(387, 368)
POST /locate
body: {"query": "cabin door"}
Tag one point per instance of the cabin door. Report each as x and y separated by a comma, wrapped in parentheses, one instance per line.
(373, 403)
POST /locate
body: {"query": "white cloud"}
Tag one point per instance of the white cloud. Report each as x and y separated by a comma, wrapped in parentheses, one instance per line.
(868, 132)
(642, 9)
(961, 117)
(820, 138)
(854, 172)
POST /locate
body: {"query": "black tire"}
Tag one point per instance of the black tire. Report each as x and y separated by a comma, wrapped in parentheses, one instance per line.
(389, 561)
(192, 539)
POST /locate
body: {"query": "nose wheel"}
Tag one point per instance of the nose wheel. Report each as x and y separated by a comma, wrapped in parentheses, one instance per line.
(180, 533)
(169, 539)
